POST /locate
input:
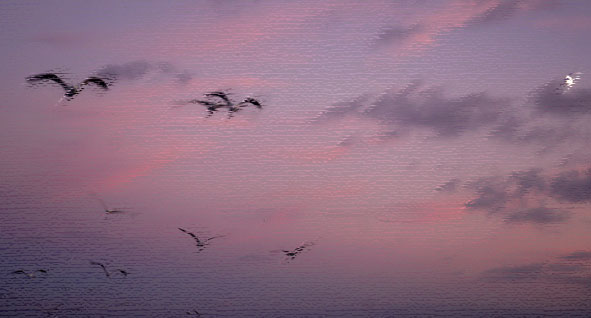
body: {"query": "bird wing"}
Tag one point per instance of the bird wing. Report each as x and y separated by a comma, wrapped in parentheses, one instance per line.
(217, 236)
(97, 81)
(183, 230)
(49, 77)
(205, 103)
(42, 271)
(20, 271)
(252, 101)
(124, 272)
(221, 95)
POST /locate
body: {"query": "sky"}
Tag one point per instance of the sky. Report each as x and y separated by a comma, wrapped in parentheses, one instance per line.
(430, 155)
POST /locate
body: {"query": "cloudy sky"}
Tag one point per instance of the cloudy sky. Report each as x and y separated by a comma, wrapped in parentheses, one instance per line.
(438, 143)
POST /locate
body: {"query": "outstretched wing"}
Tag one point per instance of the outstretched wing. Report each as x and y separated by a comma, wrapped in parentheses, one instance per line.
(221, 95)
(250, 100)
(205, 103)
(191, 234)
(213, 237)
(49, 77)
(102, 266)
(97, 81)
(123, 272)
(20, 271)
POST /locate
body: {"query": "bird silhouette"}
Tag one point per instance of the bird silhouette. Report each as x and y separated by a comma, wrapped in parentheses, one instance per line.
(201, 244)
(107, 210)
(292, 254)
(194, 313)
(30, 274)
(223, 101)
(107, 273)
(71, 90)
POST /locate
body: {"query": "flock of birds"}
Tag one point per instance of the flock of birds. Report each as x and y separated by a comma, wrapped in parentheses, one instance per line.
(213, 101)
(200, 242)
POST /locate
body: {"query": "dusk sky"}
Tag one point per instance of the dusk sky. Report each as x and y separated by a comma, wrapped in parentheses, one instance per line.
(430, 158)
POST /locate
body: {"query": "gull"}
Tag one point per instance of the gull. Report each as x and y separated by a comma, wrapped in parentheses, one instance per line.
(224, 102)
(292, 254)
(107, 273)
(107, 210)
(200, 243)
(71, 90)
(31, 274)
(194, 312)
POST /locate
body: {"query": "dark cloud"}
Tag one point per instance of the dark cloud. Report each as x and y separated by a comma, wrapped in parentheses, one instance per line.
(340, 110)
(138, 69)
(541, 121)
(539, 215)
(397, 34)
(567, 269)
(553, 99)
(499, 12)
(430, 108)
(578, 256)
(517, 131)
(507, 8)
(572, 186)
(497, 194)
(184, 77)
(128, 71)
(491, 194)
(528, 180)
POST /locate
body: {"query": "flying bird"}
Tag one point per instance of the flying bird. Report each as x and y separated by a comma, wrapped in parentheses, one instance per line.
(223, 101)
(107, 273)
(194, 313)
(200, 243)
(107, 210)
(103, 267)
(71, 90)
(123, 272)
(30, 274)
(252, 101)
(292, 254)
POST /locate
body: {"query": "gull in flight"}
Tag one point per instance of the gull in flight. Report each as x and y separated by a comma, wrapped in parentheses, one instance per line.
(221, 100)
(292, 254)
(107, 273)
(194, 313)
(201, 244)
(107, 210)
(71, 90)
(30, 274)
